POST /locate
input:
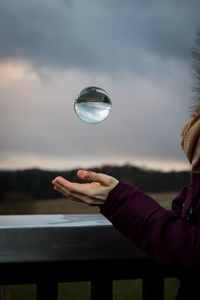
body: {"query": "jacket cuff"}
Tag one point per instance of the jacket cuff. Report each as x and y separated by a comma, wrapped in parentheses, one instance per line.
(128, 208)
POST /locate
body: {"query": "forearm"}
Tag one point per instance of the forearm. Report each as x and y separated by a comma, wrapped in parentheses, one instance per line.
(162, 234)
(127, 208)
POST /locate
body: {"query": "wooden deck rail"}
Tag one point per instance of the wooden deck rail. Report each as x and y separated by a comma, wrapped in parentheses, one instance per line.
(48, 249)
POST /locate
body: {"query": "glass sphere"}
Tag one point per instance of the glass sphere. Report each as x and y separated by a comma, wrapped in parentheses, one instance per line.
(92, 105)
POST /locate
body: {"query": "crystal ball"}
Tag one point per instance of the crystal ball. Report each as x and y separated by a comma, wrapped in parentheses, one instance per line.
(92, 105)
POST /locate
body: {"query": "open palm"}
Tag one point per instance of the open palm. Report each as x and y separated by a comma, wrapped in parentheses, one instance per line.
(94, 193)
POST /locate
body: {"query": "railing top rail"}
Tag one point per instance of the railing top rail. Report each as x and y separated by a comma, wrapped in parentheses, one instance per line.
(67, 248)
(57, 220)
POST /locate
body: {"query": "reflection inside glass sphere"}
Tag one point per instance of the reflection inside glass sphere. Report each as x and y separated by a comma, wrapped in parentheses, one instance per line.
(92, 105)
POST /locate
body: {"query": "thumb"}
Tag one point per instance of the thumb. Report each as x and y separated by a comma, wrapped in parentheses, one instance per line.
(97, 177)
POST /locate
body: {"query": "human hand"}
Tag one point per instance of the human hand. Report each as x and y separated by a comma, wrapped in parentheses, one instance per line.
(94, 193)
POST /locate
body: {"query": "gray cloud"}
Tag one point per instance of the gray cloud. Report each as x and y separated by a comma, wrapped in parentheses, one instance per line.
(98, 35)
(145, 121)
(139, 51)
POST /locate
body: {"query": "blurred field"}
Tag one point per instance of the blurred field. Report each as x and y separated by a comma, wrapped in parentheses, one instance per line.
(22, 204)
(66, 206)
(164, 199)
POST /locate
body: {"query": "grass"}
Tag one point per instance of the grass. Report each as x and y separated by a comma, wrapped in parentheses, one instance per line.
(164, 199)
(22, 204)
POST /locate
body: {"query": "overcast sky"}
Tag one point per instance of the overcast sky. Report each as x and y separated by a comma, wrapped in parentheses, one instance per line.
(139, 51)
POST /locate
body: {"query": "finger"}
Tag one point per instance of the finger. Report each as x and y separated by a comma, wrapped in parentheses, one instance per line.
(97, 177)
(72, 194)
(66, 193)
(62, 181)
(84, 189)
(62, 190)
(57, 189)
(93, 191)
(77, 196)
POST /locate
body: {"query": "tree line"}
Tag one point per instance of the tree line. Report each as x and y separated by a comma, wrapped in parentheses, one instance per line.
(37, 183)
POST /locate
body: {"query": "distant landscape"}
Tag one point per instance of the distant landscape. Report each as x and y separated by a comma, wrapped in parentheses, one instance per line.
(30, 191)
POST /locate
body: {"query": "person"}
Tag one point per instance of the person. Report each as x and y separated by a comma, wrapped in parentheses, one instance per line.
(171, 237)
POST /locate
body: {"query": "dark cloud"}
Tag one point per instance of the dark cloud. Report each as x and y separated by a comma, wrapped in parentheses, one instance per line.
(145, 121)
(138, 50)
(98, 35)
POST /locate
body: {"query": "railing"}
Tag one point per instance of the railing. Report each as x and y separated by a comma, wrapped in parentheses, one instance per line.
(49, 249)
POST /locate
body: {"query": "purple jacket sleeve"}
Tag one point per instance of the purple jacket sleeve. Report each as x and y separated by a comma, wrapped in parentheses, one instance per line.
(162, 234)
(177, 203)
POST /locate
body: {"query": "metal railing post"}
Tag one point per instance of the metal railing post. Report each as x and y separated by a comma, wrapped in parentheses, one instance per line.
(47, 290)
(101, 290)
(153, 288)
(1, 292)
